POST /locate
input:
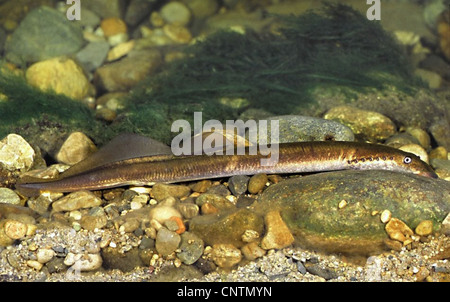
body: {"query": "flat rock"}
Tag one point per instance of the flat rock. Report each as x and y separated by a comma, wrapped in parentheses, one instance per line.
(44, 33)
(126, 73)
(310, 207)
(76, 200)
(298, 128)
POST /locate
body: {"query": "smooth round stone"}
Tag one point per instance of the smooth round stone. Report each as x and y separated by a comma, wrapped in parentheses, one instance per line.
(297, 128)
(191, 248)
(75, 201)
(257, 183)
(371, 125)
(226, 255)
(167, 241)
(309, 207)
(176, 13)
(60, 74)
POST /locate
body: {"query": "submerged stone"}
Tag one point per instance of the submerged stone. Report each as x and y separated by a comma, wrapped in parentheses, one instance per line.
(226, 227)
(310, 207)
(44, 33)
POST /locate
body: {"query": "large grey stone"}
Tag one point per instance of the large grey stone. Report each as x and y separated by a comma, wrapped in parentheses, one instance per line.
(44, 33)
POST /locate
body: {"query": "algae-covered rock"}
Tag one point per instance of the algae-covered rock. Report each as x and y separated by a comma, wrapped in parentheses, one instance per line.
(310, 207)
(227, 227)
(297, 128)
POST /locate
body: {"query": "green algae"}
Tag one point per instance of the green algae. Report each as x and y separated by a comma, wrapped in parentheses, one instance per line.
(35, 114)
(310, 206)
(336, 49)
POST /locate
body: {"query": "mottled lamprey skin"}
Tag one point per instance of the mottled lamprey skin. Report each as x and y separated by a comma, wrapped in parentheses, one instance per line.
(293, 158)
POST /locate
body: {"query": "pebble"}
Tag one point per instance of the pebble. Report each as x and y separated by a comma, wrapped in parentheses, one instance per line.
(9, 196)
(44, 255)
(421, 135)
(126, 73)
(385, 216)
(96, 219)
(175, 224)
(433, 79)
(136, 11)
(208, 200)
(75, 148)
(16, 153)
(61, 75)
(83, 262)
(191, 248)
(120, 50)
(202, 8)
(35, 264)
(252, 251)
(398, 230)
(166, 241)
(113, 26)
(14, 229)
(257, 183)
(417, 150)
(75, 201)
(238, 184)
(188, 210)
(424, 228)
(201, 186)
(161, 191)
(93, 55)
(319, 270)
(225, 255)
(226, 226)
(439, 153)
(368, 124)
(43, 25)
(401, 139)
(176, 13)
(162, 213)
(278, 235)
(177, 33)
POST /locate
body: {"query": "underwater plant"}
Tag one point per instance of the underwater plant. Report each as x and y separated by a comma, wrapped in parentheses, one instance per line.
(334, 48)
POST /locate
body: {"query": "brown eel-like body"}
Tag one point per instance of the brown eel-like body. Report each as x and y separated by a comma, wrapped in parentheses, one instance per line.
(300, 157)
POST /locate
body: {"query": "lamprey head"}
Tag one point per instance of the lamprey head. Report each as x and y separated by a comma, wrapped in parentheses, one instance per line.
(412, 163)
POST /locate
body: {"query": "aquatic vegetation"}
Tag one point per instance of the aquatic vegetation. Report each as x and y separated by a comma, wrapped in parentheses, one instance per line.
(335, 48)
(27, 110)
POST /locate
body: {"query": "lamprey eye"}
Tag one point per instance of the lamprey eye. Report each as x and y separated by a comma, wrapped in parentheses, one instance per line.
(407, 160)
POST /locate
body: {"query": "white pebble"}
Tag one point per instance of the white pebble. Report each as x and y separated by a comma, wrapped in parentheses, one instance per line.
(385, 216)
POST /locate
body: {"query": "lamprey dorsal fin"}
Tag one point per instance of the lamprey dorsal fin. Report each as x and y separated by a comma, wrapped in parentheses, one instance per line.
(123, 147)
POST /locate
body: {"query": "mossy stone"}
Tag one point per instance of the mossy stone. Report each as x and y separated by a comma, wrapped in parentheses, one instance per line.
(310, 207)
